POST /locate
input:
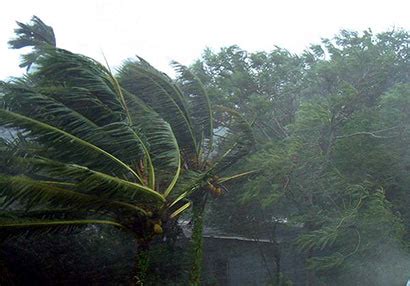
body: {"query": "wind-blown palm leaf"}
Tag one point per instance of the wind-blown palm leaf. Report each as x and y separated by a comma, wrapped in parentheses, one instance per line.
(199, 106)
(44, 223)
(88, 181)
(164, 152)
(180, 210)
(24, 192)
(55, 101)
(235, 139)
(15, 225)
(83, 78)
(163, 80)
(52, 136)
(116, 138)
(234, 177)
(37, 35)
(110, 183)
(159, 93)
(191, 181)
(31, 193)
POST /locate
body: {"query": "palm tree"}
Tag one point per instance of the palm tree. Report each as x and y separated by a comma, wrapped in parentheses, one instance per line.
(84, 147)
(78, 149)
(211, 138)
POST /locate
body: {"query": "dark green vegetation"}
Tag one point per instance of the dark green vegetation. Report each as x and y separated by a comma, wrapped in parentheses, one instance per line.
(112, 159)
(82, 146)
(333, 133)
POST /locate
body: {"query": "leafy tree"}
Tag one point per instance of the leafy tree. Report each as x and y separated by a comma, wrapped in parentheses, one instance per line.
(88, 148)
(262, 86)
(203, 157)
(339, 169)
(78, 150)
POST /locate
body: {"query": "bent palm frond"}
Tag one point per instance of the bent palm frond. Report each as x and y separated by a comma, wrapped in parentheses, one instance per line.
(36, 35)
(199, 106)
(235, 139)
(159, 93)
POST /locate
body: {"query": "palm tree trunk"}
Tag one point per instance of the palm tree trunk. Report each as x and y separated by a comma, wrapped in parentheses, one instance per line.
(310, 276)
(197, 244)
(6, 278)
(141, 264)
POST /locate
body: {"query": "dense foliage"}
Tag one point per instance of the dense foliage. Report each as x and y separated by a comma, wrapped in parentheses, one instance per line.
(333, 133)
(83, 146)
(84, 149)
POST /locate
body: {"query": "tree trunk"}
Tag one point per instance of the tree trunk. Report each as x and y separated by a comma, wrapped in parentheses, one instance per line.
(276, 254)
(197, 245)
(310, 277)
(277, 264)
(141, 264)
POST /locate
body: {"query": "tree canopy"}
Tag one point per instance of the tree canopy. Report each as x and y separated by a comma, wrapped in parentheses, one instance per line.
(332, 133)
(315, 143)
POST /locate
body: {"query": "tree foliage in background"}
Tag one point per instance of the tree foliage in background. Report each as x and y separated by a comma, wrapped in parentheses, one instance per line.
(332, 128)
(82, 145)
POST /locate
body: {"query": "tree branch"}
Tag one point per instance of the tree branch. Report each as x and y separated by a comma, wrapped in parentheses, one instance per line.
(372, 134)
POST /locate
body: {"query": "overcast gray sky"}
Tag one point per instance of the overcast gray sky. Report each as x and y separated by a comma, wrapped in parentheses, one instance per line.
(164, 30)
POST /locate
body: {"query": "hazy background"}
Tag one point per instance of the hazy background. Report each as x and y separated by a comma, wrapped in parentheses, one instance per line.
(161, 31)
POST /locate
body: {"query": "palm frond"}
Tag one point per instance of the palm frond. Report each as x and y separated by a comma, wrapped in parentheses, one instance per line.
(236, 176)
(116, 138)
(44, 223)
(29, 193)
(83, 78)
(53, 136)
(88, 181)
(159, 93)
(180, 210)
(36, 35)
(198, 104)
(235, 139)
(159, 139)
(18, 226)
